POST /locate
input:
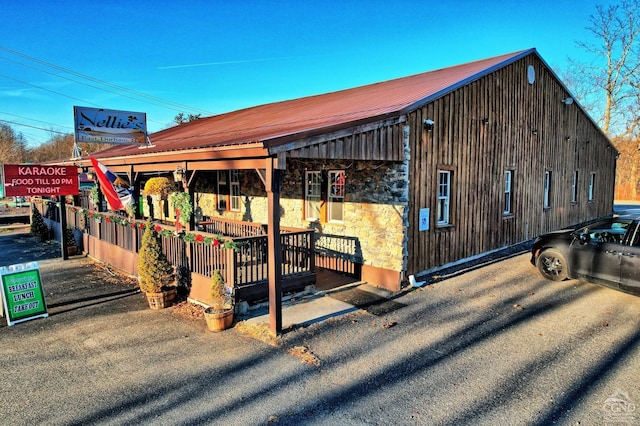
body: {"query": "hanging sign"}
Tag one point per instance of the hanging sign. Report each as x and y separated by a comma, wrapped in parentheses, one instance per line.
(22, 293)
(44, 180)
(108, 126)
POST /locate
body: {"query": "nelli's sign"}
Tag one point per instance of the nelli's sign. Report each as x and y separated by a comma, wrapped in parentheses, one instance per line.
(95, 125)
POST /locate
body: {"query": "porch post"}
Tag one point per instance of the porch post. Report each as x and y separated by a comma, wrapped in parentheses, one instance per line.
(273, 184)
(63, 226)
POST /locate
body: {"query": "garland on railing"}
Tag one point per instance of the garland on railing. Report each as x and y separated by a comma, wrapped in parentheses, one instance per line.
(188, 237)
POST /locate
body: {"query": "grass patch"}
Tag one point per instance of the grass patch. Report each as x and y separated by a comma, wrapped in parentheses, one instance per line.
(258, 331)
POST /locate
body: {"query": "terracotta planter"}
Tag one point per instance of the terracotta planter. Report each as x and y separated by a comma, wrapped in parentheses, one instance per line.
(161, 300)
(218, 321)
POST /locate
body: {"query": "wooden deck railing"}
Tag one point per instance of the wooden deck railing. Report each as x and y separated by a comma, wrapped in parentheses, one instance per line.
(232, 228)
(244, 266)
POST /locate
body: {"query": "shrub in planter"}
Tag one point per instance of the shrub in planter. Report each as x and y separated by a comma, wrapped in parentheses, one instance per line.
(220, 315)
(70, 239)
(161, 187)
(38, 228)
(155, 272)
(218, 293)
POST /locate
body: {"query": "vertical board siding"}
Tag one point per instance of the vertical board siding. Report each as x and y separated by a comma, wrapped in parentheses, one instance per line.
(529, 130)
(380, 144)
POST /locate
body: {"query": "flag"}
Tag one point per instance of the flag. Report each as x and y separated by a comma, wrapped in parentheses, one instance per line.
(113, 187)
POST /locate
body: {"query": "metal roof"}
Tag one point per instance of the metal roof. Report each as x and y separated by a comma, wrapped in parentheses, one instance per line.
(270, 123)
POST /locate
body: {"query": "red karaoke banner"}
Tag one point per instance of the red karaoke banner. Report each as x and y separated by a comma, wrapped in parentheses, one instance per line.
(44, 180)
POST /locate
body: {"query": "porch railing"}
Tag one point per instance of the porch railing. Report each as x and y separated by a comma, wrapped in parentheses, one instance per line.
(246, 265)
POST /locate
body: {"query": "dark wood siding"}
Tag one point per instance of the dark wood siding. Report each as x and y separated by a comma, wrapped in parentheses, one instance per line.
(381, 140)
(497, 123)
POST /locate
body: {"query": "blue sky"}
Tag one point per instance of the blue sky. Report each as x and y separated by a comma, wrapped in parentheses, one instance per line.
(211, 57)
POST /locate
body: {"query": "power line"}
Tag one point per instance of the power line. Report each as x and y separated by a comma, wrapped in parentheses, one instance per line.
(34, 140)
(179, 106)
(34, 127)
(172, 108)
(47, 90)
(33, 119)
(62, 94)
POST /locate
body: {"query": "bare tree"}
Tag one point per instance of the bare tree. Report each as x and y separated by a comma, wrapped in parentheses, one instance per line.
(13, 148)
(609, 86)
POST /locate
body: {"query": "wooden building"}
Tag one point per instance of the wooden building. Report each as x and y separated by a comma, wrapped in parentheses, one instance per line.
(399, 177)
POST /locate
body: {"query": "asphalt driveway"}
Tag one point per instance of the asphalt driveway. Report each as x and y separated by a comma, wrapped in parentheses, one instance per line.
(495, 344)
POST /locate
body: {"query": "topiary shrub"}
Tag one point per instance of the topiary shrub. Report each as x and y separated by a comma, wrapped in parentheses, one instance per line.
(38, 228)
(154, 269)
(70, 237)
(218, 296)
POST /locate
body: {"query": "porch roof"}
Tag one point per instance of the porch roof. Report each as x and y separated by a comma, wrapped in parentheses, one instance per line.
(264, 128)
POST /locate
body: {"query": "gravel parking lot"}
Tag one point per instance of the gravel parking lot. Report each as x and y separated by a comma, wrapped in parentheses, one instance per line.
(495, 344)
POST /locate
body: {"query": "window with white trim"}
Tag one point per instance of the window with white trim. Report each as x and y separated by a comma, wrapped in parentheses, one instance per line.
(508, 193)
(444, 197)
(335, 195)
(592, 184)
(574, 187)
(324, 195)
(312, 195)
(547, 189)
(222, 189)
(235, 191)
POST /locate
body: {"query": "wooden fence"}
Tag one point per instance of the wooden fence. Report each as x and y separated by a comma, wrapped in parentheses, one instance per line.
(245, 267)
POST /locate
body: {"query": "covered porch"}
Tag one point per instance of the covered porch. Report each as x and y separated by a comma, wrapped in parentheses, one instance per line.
(116, 240)
(267, 260)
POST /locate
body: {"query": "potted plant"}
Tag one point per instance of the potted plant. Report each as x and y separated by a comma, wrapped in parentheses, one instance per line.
(156, 276)
(160, 187)
(219, 315)
(70, 239)
(38, 228)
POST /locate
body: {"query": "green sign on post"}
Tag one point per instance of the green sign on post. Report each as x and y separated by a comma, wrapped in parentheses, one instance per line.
(22, 292)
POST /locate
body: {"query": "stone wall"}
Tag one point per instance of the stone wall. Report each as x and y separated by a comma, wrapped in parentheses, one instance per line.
(375, 209)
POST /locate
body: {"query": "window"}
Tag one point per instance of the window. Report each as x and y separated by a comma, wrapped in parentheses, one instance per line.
(324, 196)
(508, 193)
(222, 189)
(592, 183)
(574, 187)
(547, 189)
(312, 195)
(444, 197)
(335, 195)
(235, 191)
(608, 231)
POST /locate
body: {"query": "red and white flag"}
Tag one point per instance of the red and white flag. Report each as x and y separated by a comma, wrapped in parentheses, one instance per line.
(113, 187)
